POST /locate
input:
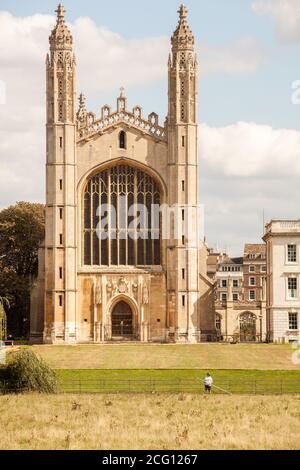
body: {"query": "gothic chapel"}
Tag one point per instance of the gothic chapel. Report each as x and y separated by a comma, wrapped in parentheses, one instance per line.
(106, 272)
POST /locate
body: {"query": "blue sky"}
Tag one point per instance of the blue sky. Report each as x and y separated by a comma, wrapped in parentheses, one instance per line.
(263, 96)
(249, 58)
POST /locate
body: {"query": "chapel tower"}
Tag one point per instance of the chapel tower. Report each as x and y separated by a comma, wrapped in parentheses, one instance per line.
(60, 242)
(183, 247)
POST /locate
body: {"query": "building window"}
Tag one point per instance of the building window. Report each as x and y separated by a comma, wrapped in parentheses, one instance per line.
(60, 300)
(263, 269)
(60, 239)
(60, 184)
(292, 287)
(116, 238)
(235, 297)
(224, 297)
(183, 214)
(183, 240)
(218, 322)
(252, 269)
(183, 141)
(60, 273)
(61, 142)
(60, 213)
(293, 321)
(252, 295)
(252, 256)
(183, 274)
(183, 185)
(122, 140)
(292, 253)
(224, 283)
(235, 283)
(183, 300)
(252, 281)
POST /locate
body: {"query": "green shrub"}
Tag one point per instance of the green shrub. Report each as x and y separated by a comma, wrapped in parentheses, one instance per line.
(27, 372)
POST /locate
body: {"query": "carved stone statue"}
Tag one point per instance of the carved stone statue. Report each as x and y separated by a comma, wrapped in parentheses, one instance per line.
(145, 295)
(122, 285)
(98, 294)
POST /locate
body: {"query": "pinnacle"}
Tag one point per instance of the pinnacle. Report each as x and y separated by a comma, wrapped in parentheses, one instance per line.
(183, 12)
(60, 12)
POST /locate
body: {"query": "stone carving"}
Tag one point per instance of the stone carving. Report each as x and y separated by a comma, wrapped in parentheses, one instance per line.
(88, 125)
(98, 294)
(135, 287)
(115, 288)
(123, 286)
(145, 295)
(109, 289)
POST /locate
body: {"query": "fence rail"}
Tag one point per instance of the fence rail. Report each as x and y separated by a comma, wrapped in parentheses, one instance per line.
(153, 385)
(222, 386)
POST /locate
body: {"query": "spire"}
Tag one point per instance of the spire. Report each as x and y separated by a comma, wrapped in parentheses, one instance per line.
(82, 102)
(122, 92)
(122, 101)
(183, 12)
(183, 38)
(60, 13)
(82, 112)
(61, 37)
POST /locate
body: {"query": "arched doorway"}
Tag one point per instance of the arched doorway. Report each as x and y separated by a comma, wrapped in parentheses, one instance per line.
(247, 327)
(122, 321)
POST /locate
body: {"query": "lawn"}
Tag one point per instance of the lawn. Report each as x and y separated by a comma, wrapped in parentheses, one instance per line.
(172, 380)
(164, 422)
(150, 356)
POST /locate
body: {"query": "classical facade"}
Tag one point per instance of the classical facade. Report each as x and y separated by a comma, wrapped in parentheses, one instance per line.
(282, 238)
(240, 316)
(111, 267)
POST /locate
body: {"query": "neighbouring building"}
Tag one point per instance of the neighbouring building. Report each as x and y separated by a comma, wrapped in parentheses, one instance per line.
(121, 278)
(254, 268)
(282, 238)
(240, 316)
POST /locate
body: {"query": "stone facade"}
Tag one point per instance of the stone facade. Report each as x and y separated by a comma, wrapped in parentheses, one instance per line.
(239, 318)
(283, 277)
(92, 290)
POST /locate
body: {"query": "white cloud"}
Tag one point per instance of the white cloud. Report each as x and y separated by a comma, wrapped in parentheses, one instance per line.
(105, 61)
(248, 149)
(286, 14)
(242, 56)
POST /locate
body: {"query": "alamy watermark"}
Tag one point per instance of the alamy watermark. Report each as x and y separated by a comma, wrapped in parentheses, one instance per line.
(157, 221)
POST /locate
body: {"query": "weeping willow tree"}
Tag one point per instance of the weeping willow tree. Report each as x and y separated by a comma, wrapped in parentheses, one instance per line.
(3, 302)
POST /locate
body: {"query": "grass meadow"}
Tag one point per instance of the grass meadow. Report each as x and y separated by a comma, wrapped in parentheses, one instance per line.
(150, 421)
(83, 419)
(152, 356)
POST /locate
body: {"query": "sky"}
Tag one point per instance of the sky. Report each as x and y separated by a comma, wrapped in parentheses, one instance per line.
(249, 113)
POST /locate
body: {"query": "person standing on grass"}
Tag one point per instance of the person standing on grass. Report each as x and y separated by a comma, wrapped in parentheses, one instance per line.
(208, 383)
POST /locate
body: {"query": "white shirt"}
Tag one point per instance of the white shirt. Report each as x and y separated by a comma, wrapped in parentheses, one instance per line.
(208, 381)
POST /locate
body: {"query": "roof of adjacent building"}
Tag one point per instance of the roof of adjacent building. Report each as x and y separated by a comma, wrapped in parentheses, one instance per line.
(256, 248)
(228, 260)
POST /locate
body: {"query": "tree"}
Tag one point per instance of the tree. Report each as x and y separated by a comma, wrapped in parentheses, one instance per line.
(27, 372)
(22, 229)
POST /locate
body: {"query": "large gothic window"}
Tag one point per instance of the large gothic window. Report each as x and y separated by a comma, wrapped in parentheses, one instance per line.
(121, 218)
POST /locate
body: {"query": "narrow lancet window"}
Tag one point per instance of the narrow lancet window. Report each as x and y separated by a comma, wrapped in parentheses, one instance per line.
(122, 140)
